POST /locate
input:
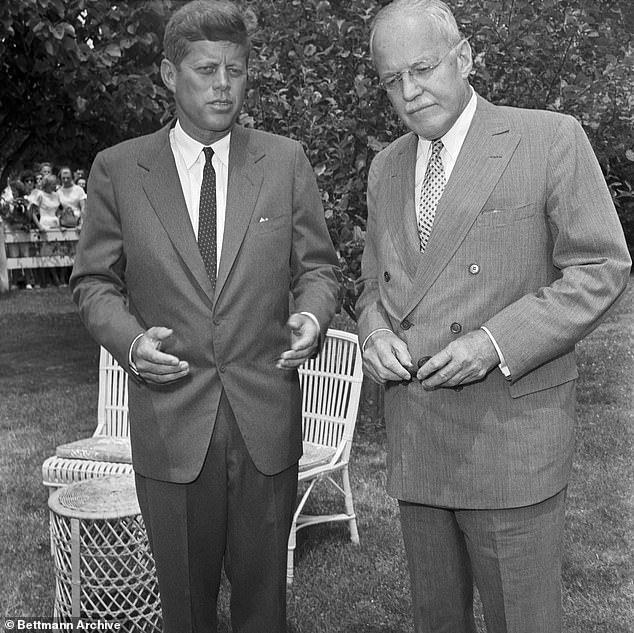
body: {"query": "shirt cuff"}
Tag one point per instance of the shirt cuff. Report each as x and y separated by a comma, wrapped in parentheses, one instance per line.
(313, 318)
(371, 334)
(506, 372)
(131, 363)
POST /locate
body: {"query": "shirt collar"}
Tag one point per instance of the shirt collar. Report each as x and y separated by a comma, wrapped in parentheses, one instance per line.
(191, 149)
(452, 141)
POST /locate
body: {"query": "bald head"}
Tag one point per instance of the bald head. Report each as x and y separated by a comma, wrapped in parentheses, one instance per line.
(434, 12)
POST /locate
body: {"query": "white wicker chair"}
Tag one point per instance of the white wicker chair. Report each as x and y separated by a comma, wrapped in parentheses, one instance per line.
(331, 388)
(107, 452)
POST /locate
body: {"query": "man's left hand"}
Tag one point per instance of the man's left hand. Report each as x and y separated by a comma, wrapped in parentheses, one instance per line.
(304, 340)
(464, 360)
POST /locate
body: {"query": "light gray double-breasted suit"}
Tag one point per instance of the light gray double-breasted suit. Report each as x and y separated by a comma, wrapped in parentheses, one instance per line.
(526, 242)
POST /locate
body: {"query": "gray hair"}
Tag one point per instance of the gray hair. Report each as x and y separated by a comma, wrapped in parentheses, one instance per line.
(199, 20)
(434, 10)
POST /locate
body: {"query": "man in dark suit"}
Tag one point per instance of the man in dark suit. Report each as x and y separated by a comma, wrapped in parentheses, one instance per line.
(492, 248)
(197, 239)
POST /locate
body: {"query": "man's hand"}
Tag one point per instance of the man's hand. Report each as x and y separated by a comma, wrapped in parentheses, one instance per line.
(304, 340)
(154, 365)
(464, 360)
(386, 357)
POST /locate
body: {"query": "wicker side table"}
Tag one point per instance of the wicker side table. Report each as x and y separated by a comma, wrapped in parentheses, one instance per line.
(103, 566)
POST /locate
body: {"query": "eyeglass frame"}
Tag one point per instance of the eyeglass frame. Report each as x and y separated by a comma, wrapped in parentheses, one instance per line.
(396, 79)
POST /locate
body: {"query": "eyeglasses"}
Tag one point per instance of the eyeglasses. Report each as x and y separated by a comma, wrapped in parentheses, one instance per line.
(418, 72)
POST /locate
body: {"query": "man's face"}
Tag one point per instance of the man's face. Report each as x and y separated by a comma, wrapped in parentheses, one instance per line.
(428, 106)
(208, 87)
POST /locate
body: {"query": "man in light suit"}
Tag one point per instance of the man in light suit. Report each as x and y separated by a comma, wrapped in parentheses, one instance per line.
(197, 239)
(492, 248)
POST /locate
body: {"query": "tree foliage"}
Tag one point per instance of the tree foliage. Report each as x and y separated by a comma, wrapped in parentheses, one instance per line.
(78, 75)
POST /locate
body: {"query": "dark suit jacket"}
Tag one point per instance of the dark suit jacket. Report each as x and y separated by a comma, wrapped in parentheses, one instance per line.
(526, 241)
(138, 265)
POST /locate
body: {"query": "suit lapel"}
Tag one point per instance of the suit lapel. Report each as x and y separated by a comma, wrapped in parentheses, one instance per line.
(245, 179)
(402, 218)
(163, 189)
(485, 153)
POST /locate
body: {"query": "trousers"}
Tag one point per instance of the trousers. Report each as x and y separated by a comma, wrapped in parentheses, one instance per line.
(513, 555)
(231, 515)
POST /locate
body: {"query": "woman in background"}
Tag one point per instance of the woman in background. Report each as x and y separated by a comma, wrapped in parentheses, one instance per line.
(28, 178)
(72, 195)
(46, 204)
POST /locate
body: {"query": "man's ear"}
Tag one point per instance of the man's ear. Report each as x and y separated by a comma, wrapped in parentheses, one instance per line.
(465, 60)
(168, 74)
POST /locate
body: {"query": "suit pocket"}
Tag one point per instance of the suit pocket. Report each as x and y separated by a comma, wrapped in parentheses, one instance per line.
(501, 216)
(554, 373)
(264, 224)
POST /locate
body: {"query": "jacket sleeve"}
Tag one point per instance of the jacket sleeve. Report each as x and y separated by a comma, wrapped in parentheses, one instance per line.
(98, 281)
(315, 275)
(370, 312)
(588, 249)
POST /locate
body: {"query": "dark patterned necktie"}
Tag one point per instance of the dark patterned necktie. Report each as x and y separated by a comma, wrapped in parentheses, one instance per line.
(207, 217)
(433, 186)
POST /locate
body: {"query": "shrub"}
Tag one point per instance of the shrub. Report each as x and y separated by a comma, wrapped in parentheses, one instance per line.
(312, 79)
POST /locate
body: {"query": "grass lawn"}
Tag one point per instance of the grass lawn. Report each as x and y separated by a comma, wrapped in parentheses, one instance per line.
(48, 394)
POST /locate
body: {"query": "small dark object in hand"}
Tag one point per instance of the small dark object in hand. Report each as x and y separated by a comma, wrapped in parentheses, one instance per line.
(414, 370)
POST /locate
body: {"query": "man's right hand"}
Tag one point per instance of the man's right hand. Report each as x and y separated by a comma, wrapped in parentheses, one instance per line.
(386, 357)
(154, 365)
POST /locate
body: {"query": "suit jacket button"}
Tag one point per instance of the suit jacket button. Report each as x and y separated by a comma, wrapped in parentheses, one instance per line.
(455, 328)
(474, 269)
(387, 276)
(406, 325)
(221, 369)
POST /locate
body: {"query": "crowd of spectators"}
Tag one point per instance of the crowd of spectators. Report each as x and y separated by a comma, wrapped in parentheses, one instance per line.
(39, 200)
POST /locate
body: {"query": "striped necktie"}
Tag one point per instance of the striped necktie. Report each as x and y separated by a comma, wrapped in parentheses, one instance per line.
(207, 217)
(433, 186)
